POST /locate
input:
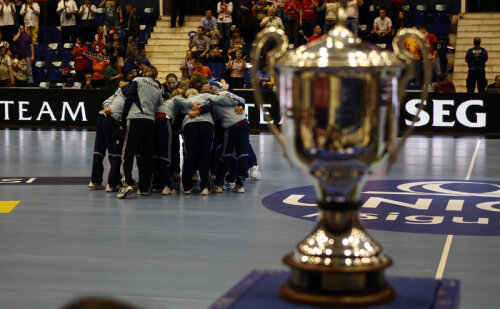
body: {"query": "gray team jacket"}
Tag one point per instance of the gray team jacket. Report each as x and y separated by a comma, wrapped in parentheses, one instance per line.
(224, 105)
(115, 103)
(143, 96)
(169, 108)
(185, 107)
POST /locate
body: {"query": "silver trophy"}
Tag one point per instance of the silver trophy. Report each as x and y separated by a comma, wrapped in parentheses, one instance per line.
(339, 102)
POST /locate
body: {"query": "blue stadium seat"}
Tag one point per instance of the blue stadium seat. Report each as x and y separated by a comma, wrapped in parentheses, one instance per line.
(143, 35)
(100, 17)
(364, 31)
(440, 30)
(55, 73)
(51, 52)
(440, 14)
(217, 69)
(247, 79)
(147, 17)
(31, 84)
(421, 16)
(46, 34)
(65, 53)
(39, 71)
(39, 49)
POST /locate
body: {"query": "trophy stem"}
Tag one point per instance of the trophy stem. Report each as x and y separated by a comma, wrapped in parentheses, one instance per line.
(338, 264)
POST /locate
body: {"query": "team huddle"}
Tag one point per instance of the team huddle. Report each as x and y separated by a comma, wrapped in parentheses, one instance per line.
(143, 120)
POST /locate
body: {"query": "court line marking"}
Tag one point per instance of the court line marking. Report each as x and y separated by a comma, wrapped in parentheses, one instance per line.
(449, 238)
(7, 206)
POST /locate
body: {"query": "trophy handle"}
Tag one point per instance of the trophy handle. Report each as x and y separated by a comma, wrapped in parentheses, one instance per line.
(264, 36)
(402, 53)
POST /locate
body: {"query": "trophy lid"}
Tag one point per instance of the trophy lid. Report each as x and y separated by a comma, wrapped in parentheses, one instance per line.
(338, 48)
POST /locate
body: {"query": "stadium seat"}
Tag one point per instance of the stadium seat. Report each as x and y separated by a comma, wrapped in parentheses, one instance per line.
(247, 79)
(39, 71)
(51, 52)
(142, 35)
(440, 30)
(39, 49)
(55, 73)
(65, 54)
(100, 17)
(46, 34)
(148, 17)
(217, 69)
(421, 16)
(440, 14)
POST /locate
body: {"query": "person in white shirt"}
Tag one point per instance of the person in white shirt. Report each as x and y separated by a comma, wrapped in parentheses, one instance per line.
(67, 10)
(87, 13)
(30, 11)
(382, 29)
(271, 20)
(224, 19)
(7, 13)
(352, 22)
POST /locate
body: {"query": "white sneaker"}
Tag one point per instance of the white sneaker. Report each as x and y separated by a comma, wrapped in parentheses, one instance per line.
(217, 189)
(255, 173)
(124, 191)
(96, 186)
(188, 191)
(166, 191)
(228, 185)
(156, 190)
(205, 191)
(196, 176)
(239, 189)
(112, 189)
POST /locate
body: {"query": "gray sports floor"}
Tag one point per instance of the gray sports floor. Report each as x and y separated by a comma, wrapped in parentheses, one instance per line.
(64, 240)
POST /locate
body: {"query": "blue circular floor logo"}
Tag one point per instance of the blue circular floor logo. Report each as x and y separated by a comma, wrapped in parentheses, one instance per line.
(416, 206)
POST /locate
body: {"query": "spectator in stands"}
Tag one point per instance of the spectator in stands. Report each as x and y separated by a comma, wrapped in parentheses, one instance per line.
(88, 82)
(2, 42)
(115, 48)
(401, 22)
(200, 68)
(293, 12)
(178, 8)
(30, 11)
(67, 10)
(382, 29)
(244, 19)
(352, 22)
(216, 55)
(87, 14)
(236, 43)
(317, 34)
(113, 13)
(236, 68)
(143, 57)
(112, 74)
(6, 72)
(208, 21)
(495, 87)
(133, 23)
(7, 13)
(266, 80)
(432, 40)
(215, 39)
(271, 20)
(444, 84)
(100, 41)
(330, 7)
(309, 16)
(260, 9)
(132, 50)
(476, 58)
(396, 7)
(24, 43)
(20, 69)
(80, 62)
(187, 65)
(278, 4)
(225, 19)
(202, 43)
(44, 12)
(140, 67)
(99, 64)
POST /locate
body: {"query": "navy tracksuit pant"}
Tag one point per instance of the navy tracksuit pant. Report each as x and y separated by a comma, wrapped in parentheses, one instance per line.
(198, 137)
(162, 154)
(104, 141)
(235, 139)
(139, 139)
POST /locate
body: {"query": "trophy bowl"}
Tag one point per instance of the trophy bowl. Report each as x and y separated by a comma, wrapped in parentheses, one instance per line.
(339, 102)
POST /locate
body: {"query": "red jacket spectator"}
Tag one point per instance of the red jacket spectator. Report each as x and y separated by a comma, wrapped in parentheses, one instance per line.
(81, 63)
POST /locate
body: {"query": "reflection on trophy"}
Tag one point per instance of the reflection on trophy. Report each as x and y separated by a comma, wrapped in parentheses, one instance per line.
(339, 99)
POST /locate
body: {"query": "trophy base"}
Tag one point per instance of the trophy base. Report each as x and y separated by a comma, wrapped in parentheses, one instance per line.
(337, 286)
